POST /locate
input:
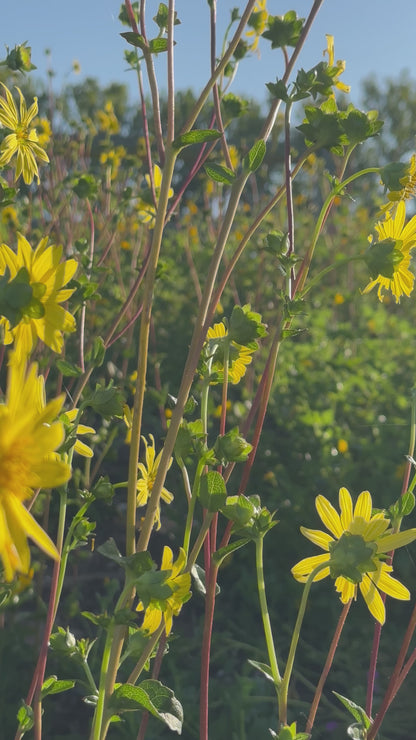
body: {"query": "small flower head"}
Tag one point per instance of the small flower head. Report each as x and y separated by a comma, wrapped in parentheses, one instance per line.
(339, 65)
(239, 356)
(170, 607)
(69, 417)
(23, 140)
(395, 242)
(148, 473)
(42, 317)
(29, 438)
(257, 24)
(146, 205)
(355, 551)
(107, 119)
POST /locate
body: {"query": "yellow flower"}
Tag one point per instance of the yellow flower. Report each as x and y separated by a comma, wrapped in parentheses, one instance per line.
(180, 584)
(80, 447)
(338, 299)
(239, 358)
(342, 446)
(44, 130)
(113, 159)
(408, 189)
(257, 23)
(29, 436)
(23, 139)
(107, 119)
(358, 527)
(146, 206)
(394, 228)
(148, 474)
(9, 216)
(340, 65)
(43, 317)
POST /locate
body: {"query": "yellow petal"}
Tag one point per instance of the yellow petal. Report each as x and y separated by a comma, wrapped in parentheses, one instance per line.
(392, 587)
(322, 539)
(363, 507)
(17, 512)
(345, 505)
(304, 568)
(345, 588)
(373, 599)
(393, 541)
(329, 516)
(83, 449)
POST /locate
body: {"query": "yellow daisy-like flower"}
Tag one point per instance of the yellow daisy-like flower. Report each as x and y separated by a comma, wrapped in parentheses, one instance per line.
(145, 206)
(43, 317)
(394, 228)
(80, 447)
(180, 584)
(340, 65)
(148, 474)
(23, 141)
(239, 357)
(358, 528)
(29, 436)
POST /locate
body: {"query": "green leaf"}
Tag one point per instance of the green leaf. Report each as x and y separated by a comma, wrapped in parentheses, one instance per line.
(284, 30)
(254, 158)
(68, 369)
(101, 620)
(107, 401)
(406, 503)
(97, 353)
(158, 45)
(212, 492)
(135, 39)
(245, 326)
(263, 668)
(223, 552)
(161, 18)
(52, 685)
(219, 173)
(25, 718)
(196, 137)
(110, 550)
(357, 712)
(152, 696)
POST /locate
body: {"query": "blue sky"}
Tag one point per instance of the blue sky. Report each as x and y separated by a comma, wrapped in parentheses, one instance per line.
(375, 37)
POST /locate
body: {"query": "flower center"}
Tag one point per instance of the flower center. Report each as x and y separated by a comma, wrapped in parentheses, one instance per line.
(15, 467)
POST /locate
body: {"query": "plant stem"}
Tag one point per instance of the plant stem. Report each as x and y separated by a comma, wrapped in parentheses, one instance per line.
(268, 634)
(284, 686)
(327, 667)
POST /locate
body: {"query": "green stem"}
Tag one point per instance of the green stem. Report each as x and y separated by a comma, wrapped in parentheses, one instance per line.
(134, 675)
(199, 541)
(284, 686)
(268, 634)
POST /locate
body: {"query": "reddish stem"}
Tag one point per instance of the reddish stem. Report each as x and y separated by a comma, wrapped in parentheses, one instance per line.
(327, 667)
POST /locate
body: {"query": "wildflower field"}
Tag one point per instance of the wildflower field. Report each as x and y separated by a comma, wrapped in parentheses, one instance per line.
(207, 396)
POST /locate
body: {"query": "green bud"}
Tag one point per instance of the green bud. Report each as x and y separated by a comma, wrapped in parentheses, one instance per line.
(231, 447)
(19, 59)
